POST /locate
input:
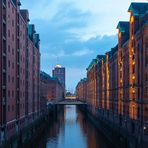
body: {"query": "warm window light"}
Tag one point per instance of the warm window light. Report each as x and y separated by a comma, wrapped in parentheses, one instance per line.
(121, 81)
(132, 19)
(133, 91)
(132, 49)
(133, 63)
(133, 77)
(120, 34)
(132, 37)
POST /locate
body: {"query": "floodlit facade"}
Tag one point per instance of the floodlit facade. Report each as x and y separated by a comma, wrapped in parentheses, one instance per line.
(81, 90)
(118, 81)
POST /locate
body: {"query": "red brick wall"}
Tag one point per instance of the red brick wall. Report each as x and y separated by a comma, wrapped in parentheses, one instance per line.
(30, 77)
(51, 90)
(145, 73)
(1, 62)
(11, 61)
(81, 90)
(16, 93)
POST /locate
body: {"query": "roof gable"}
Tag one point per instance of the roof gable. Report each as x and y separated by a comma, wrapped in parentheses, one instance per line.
(138, 8)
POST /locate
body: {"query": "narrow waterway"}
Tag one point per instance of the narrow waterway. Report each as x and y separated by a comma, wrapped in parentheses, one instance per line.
(71, 129)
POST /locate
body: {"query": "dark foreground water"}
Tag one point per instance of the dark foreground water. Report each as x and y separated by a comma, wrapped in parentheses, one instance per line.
(70, 129)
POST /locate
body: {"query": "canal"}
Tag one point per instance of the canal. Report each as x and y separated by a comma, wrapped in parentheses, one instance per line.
(71, 129)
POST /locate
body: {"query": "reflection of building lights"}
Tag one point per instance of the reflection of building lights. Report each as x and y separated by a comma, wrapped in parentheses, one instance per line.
(121, 81)
(133, 77)
(144, 128)
(132, 37)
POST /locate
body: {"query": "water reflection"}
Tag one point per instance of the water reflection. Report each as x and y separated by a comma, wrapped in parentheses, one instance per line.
(70, 129)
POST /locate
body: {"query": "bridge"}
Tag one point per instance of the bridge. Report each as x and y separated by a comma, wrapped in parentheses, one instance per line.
(70, 98)
(69, 102)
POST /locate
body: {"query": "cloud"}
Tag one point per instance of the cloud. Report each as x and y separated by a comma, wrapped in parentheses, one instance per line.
(62, 54)
(77, 53)
(73, 32)
(74, 74)
(82, 52)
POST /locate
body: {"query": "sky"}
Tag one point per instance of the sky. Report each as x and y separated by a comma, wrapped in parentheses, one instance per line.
(73, 32)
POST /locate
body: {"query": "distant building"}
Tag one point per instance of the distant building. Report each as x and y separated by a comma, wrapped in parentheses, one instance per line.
(81, 90)
(50, 88)
(59, 73)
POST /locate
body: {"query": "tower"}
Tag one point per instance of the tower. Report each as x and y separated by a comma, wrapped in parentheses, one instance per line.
(59, 73)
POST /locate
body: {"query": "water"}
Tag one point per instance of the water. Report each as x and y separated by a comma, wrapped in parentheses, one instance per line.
(70, 129)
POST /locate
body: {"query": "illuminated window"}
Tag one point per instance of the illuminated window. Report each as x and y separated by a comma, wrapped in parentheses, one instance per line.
(132, 19)
(133, 111)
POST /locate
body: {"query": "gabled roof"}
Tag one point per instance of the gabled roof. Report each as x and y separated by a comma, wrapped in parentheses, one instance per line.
(100, 57)
(45, 75)
(37, 40)
(114, 50)
(93, 62)
(123, 26)
(138, 8)
(83, 80)
(31, 31)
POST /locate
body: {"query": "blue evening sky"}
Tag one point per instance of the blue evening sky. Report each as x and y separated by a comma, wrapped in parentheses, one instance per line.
(73, 32)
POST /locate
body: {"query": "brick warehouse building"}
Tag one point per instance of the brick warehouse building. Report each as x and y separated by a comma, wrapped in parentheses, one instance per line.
(50, 88)
(19, 69)
(81, 89)
(118, 82)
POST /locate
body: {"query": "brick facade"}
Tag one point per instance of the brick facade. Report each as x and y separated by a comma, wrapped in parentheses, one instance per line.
(81, 90)
(16, 98)
(118, 81)
(50, 88)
